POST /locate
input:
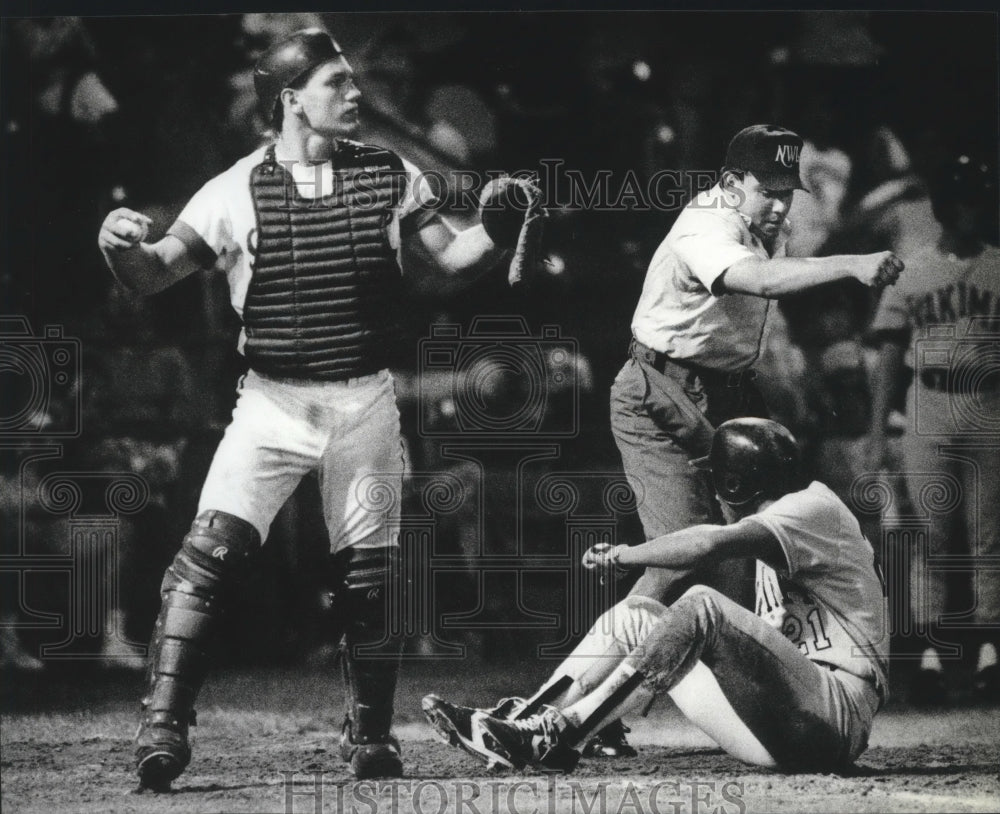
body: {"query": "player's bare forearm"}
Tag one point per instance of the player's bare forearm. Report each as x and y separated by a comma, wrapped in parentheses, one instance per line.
(782, 276)
(682, 549)
(144, 268)
(459, 251)
(471, 250)
(691, 547)
(139, 269)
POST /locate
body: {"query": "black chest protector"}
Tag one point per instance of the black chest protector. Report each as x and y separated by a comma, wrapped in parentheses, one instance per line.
(323, 300)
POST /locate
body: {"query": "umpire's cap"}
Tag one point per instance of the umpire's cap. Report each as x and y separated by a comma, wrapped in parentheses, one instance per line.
(752, 458)
(288, 60)
(771, 153)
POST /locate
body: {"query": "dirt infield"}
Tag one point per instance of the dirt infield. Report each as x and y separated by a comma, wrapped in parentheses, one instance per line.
(267, 743)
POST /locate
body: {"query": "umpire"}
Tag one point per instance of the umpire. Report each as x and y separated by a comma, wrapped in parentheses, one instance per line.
(308, 230)
(697, 331)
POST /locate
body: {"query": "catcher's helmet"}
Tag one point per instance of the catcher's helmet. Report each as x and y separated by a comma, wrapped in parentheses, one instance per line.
(752, 458)
(288, 60)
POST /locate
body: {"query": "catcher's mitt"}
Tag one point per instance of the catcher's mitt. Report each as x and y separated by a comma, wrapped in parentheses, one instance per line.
(512, 214)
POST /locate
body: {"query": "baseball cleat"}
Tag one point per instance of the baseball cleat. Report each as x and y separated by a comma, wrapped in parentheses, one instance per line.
(610, 742)
(371, 759)
(161, 754)
(457, 726)
(452, 723)
(536, 740)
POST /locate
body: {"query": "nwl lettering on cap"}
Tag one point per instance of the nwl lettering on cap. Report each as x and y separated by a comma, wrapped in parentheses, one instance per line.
(788, 154)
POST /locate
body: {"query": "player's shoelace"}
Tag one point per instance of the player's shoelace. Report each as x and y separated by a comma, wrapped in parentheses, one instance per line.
(508, 708)
(517, 742)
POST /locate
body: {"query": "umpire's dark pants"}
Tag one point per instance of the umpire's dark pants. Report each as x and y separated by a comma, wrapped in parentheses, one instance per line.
(663, 414)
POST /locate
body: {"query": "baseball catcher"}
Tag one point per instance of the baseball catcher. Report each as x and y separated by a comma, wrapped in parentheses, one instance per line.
(308, 230)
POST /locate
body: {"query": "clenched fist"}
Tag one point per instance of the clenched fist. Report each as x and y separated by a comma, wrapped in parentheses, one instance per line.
(878, 270)
(603, 557)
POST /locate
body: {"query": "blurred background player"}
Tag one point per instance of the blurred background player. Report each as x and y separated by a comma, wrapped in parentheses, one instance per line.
(795, 685)
(308, 229)
(943, 322)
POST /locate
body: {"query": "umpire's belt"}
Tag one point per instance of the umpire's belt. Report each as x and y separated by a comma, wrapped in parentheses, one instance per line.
(682, 368)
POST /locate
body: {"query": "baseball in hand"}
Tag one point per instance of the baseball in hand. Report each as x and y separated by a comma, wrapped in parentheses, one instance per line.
(130, 230)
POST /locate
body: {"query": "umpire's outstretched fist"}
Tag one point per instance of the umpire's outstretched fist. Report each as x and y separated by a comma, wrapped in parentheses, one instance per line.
(878, 270)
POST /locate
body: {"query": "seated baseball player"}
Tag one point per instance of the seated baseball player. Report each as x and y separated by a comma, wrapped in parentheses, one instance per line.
(794, 686)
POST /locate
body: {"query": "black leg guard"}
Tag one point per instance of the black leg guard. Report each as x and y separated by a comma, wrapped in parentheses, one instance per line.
(371, 651)
(215, 555)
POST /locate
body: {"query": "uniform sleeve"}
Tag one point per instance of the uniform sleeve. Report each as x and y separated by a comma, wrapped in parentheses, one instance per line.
(808, 528)
(420, 202)
(205, 225)
(892, 314)
(709, 244)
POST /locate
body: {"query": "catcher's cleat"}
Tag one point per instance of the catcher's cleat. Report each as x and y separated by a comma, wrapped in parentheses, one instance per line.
(537, 740)
(162, 752)
(370, 759)
(610, 742)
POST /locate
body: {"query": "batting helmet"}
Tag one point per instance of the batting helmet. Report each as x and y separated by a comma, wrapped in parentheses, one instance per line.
(288, 60)
(752, 458)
